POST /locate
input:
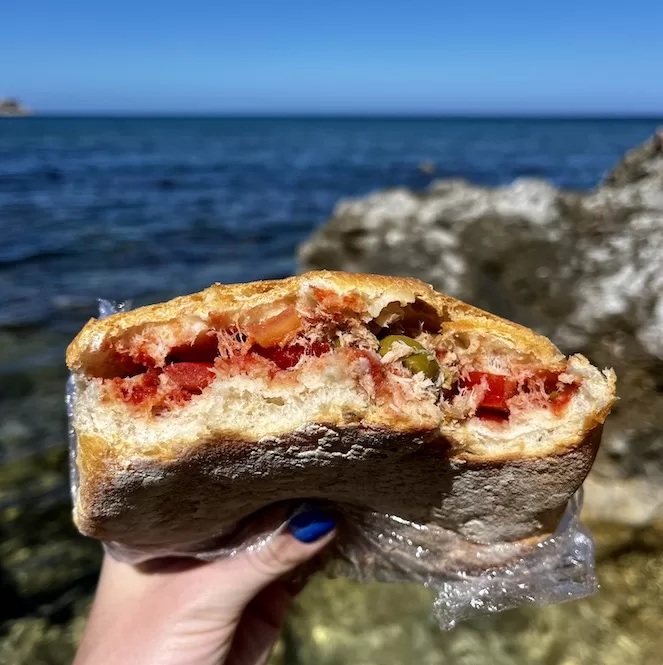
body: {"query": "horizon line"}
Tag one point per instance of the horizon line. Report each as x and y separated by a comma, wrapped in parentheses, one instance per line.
(457, 115)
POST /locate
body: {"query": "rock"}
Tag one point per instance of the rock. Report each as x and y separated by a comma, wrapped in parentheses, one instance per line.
(644, 161)
(12, 107)
(34, 640)
(585, 269)
(47, 570)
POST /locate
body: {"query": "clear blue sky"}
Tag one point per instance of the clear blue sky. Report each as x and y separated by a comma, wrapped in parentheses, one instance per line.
(361, 56)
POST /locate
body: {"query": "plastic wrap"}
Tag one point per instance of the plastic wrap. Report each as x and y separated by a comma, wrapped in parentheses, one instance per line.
(380, 547)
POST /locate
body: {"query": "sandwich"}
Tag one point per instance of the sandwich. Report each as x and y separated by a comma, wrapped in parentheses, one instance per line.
(366, 391)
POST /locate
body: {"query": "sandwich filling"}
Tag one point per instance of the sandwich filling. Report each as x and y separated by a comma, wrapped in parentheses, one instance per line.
(405, 354)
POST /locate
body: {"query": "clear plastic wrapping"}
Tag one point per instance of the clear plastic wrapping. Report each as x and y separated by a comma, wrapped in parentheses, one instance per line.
(380, 547)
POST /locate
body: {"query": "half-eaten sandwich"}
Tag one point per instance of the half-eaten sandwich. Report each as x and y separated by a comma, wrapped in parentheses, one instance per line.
(370, 391)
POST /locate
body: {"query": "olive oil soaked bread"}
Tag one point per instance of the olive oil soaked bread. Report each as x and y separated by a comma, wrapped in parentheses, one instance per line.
(362, 389)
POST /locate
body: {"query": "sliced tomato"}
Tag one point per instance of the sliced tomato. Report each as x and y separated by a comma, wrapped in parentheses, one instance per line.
(278, 329)
(191, 376)
(289, 356)
(499, 389)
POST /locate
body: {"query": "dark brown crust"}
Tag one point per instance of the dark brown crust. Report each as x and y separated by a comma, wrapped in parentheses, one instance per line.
(152, 505)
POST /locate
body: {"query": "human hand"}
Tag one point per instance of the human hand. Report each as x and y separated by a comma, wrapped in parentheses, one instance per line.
(182, 612)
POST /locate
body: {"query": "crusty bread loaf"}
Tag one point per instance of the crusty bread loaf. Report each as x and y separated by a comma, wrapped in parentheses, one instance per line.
(177, 475)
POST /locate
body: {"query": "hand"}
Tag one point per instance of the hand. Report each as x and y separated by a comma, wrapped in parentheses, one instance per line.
(179, 612)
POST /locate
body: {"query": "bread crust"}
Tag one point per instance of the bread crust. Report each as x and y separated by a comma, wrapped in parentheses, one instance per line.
(234, 299)
(150, 504)
(179, 495)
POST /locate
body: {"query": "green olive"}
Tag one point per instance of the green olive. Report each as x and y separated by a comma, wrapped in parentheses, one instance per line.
(390, 340)
(418, 361)
(422, 362)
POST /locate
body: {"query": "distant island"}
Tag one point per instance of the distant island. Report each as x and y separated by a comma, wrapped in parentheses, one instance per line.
(12, 107)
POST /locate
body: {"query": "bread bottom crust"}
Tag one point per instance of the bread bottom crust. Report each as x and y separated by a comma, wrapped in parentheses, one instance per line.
(151, 505)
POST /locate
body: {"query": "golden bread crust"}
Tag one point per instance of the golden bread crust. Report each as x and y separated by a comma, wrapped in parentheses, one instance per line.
(234, 299)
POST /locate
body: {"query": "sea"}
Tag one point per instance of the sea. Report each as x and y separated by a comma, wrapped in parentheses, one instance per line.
(144, 208)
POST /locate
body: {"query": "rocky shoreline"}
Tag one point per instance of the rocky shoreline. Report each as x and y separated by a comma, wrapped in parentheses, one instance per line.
(585, 269)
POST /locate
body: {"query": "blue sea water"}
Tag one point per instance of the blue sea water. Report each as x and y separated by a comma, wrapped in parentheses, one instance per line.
(146, 208)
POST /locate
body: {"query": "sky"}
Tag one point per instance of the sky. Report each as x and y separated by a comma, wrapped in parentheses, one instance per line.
(334, 57)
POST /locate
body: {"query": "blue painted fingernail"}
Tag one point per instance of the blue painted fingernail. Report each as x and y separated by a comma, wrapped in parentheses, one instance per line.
(311, 525)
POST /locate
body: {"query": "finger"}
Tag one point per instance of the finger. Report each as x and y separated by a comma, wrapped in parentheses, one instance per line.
(307, 534)
(271, 604)
(260, 625)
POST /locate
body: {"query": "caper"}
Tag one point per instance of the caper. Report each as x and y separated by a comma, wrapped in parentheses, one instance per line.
(418, 361)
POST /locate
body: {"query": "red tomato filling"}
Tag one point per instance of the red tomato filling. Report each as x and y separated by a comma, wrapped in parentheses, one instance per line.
(190, 379)
(500, 389)
(139, 390)
(124, 364)
(191, 376)
(190, 368)
(563, 398)
(204, 350)
(289, 356)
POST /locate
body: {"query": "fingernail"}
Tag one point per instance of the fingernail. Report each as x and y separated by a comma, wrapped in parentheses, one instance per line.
(311, 525)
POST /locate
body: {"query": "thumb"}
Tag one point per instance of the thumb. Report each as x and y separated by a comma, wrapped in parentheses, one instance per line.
(305, 535)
